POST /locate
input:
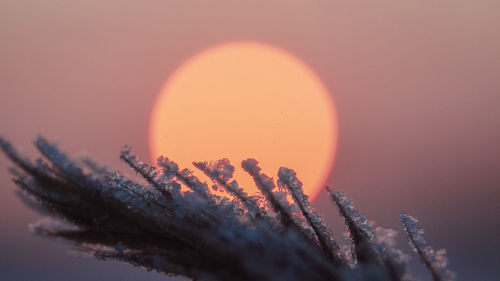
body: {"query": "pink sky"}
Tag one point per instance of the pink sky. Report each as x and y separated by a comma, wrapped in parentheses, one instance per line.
(416, 86)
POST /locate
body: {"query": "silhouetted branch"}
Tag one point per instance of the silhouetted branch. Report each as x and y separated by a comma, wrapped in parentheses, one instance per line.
(288, 179)
(199, 234)
(360, 230)
(372, 245)
(435, 261)
(221, 172)
(266, 185)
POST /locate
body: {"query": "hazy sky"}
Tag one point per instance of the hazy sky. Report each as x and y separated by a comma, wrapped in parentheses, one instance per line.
(416, 84)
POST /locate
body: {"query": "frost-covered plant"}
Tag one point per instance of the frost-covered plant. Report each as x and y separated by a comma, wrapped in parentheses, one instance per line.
(435, 261)
(198, 233)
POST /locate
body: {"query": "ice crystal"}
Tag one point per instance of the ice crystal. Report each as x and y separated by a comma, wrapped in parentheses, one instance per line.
(372, 244)
(196, 232)
(221, 172)
(288, 179)
(435, 261)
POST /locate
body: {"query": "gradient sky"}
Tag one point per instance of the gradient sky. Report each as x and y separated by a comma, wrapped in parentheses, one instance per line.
(416, 84)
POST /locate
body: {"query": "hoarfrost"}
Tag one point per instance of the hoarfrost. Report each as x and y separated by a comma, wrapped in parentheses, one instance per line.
(201, 235)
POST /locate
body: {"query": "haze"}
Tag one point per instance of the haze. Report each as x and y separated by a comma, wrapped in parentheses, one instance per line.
(416, 85)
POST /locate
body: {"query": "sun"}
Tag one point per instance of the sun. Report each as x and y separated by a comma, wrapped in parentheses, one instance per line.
(244, 100)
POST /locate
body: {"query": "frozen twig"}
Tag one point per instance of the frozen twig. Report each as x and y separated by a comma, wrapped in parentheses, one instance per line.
(288, 179)
(360, 230)
(185, 176)
(266, 185)
(198, 234)
(221, 172)
(161, 182)
(372, 244)
(435, 261)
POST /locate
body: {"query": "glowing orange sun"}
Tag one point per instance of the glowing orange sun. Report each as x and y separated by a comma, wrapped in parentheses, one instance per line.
(247, 100)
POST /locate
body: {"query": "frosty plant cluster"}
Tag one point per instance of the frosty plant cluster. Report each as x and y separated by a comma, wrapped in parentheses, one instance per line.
(196, 232)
